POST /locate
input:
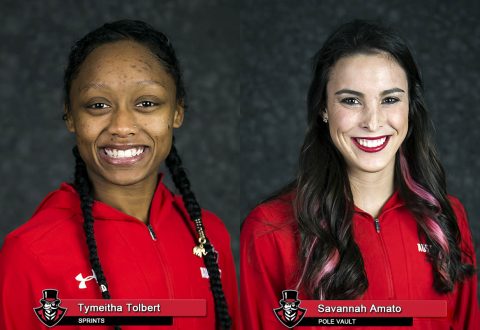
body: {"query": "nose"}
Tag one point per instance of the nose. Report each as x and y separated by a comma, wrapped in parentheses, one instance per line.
(122, 122)
(373, 117)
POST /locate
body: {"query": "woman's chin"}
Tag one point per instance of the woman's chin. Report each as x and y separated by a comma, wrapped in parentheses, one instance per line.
(126, 178)
(372, 166)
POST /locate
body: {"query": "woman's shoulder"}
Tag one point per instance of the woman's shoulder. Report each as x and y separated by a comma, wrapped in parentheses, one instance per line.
(215, 228)
(456, 204)
(48, 224)
(273, 216)
(466, 238)
(269, 240)
(208, 217)
(460, 213)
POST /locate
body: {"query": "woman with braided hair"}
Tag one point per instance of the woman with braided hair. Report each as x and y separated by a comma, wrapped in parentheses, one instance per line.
(117, 231)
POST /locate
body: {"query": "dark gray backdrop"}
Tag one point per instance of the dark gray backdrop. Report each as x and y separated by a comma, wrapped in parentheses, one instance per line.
(252, 55)
(35, 38)
(278, 39)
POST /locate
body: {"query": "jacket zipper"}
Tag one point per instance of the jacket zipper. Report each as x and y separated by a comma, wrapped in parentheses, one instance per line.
(377, 225)
(391, 292)
(152, 233)
(160, 257)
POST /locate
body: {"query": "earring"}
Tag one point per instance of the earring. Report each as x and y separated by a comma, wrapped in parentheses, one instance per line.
(325, 116)
(325, 119)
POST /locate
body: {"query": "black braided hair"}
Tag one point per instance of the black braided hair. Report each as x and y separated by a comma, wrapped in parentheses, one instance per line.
(162, 48)
(84, 189)
(179, 176)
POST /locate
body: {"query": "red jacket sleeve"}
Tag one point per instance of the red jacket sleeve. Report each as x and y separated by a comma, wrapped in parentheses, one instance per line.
(17, 288)
(466, 314)
(265, 253)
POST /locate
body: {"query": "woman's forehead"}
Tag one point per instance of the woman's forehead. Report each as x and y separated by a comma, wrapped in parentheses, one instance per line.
(367, 72)
(121, 63)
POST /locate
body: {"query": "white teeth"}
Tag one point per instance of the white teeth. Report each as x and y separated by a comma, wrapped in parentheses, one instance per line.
(372, 143)
(116, 153)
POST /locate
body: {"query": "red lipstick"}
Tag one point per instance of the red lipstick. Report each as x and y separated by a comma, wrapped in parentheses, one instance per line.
(362, 143)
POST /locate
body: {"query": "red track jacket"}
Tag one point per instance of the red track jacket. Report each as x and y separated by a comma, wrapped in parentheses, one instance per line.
(395, 264)
(50, 251)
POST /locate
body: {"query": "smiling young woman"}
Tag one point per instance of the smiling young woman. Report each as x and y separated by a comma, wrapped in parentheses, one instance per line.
(367, 111)
(117, 231)
(368, 216)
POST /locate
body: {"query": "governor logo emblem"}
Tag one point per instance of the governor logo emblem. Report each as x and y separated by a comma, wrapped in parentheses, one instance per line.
(50, 313)
(290, 314)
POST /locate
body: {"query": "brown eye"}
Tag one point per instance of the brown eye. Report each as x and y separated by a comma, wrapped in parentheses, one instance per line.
(390, 100)
(146, 104)
(98, 105)
(350, 101)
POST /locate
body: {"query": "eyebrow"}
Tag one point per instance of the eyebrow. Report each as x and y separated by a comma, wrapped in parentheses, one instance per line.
(385, 92)
(100, 85)
(150, 82)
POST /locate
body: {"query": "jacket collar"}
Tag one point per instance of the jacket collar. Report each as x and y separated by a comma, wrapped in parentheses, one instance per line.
(392, 203)
(67, 198)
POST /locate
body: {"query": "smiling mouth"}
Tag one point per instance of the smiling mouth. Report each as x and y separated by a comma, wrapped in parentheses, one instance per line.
(128, 153)
(371, 144)
(123, 155)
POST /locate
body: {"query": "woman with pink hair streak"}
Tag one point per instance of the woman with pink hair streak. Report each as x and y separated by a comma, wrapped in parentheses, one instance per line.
(368, 216)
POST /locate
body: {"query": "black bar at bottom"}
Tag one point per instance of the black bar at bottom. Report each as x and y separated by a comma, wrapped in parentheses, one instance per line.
(356, 321)
(117, 320)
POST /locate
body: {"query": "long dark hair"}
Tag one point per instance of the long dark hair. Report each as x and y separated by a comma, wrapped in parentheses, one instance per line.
(162, 48)
(332, 264)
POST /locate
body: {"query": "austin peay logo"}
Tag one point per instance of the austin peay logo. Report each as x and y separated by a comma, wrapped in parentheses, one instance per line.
(290, 314)
(50, 313)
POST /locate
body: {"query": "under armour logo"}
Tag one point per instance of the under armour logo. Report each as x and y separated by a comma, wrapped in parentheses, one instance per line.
(82, 280)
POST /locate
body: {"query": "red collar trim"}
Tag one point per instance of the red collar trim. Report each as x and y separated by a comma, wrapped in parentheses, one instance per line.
(67, 198)
(392, 203)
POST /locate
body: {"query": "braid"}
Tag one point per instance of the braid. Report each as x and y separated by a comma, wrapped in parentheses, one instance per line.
(174, 164)
(162, 48)
(84, 189)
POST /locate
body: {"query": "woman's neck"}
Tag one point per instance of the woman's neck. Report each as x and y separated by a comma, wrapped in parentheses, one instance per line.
(371, 190)
(133, 200)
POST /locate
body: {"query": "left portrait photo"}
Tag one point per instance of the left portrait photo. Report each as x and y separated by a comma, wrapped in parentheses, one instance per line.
(121, 196)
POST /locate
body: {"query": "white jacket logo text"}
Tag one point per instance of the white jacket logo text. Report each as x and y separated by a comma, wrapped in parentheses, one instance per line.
(423, 247)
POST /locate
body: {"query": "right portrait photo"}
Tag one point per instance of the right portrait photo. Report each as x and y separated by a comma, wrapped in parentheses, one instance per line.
(358, 129)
